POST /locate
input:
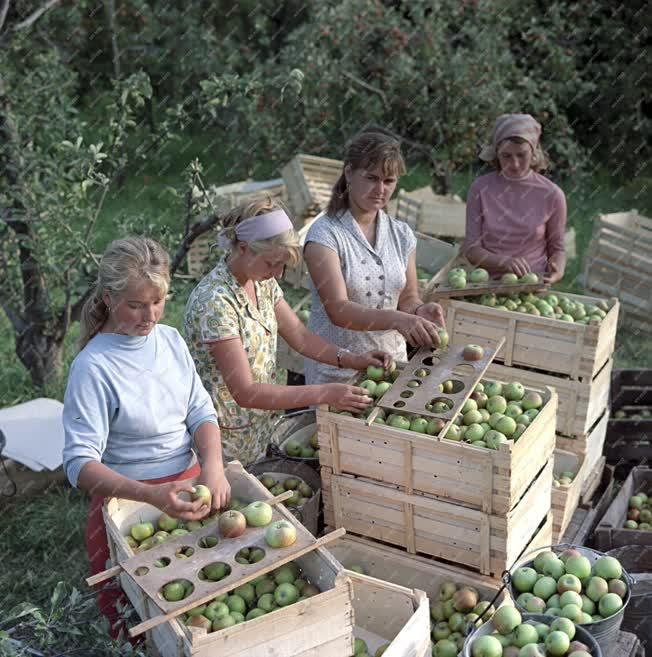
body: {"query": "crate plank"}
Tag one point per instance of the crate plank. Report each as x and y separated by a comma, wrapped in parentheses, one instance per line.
(488, 543)
(565, 499)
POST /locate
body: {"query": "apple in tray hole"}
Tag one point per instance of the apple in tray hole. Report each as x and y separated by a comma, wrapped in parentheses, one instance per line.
(280, 533)
(473, 352)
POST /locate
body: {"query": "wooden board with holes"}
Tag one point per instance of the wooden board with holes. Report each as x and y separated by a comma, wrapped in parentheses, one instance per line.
(486, 543)
(417, 386)
(579, 351)
(479, 478)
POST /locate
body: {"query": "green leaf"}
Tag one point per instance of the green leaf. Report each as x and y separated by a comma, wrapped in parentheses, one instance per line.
(58, 595)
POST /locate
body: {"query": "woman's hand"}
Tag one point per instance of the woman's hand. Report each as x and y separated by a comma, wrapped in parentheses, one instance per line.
(555, 274)
(519, 266)
(375, 357)
(166, 498)
(215, 480)
(432, 311)
(347, 398)
(418, 331)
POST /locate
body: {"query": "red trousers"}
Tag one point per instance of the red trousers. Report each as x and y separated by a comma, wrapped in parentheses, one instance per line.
(109, 595)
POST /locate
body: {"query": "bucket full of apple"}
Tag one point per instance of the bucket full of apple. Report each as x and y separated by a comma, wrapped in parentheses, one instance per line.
(587, 587)
(294, 437)
(280, 474)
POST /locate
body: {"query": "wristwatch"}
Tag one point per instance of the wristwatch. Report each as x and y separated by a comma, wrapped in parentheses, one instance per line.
(340, 353)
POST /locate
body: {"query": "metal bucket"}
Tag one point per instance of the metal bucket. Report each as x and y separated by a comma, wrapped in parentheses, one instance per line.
(581, 634)
(298, 426)
(638, 615)
(605, 631)
(281, 468)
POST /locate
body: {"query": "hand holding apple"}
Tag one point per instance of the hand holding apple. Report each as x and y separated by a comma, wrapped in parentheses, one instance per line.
(378, 361)
(520, 266)
(166, 498)
(432, 311)
(417, 330)
(215, 482)
(345, 397)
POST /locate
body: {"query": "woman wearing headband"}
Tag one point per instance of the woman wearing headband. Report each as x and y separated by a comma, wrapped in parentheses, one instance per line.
(232, 320)
(362, 262)
(516, 217)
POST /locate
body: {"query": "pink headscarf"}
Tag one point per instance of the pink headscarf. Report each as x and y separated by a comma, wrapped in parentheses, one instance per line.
(512, 125)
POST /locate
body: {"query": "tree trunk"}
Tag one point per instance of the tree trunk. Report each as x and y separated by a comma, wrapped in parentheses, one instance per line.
(41, 354)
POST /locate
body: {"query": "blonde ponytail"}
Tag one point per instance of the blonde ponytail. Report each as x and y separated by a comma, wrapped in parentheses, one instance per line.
(132, 259)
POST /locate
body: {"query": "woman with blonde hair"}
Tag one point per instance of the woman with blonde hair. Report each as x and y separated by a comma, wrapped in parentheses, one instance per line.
(138, 423)
(232, 320)
(362, 262)
(515, 216)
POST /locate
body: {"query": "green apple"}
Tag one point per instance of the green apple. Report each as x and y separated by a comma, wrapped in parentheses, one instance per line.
(607, 568)
(506, 619)
(419, 425)
(258, 514)
(369, 386)
(496, 404)
(375, 373)
(167, 523)
(293, 447)
(557, 643)
(280, 533)
(609, 604)
(514, 391)
(286, 594)
(142, 530)
(479, 276)
(472, 352)
(382, 388)
(203, 493)
(174, 591)
(509, 278)
(443, 338)
(532, 400)
(486, 646)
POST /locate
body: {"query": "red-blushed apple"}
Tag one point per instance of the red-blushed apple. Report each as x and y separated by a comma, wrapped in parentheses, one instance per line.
(473, 352)
(232, 524)
(280, 533)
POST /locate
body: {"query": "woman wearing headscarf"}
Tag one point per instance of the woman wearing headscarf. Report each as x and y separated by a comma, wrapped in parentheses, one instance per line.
(362, 262)
(515, 216)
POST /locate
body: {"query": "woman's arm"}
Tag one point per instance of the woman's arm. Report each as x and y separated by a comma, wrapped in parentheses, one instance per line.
(309, 344)
(555, 234)
(97, 479)
(325, 270)
(209, 445)
(231, 359)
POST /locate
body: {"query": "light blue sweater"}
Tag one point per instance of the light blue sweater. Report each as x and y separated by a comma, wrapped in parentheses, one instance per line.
(134, 404)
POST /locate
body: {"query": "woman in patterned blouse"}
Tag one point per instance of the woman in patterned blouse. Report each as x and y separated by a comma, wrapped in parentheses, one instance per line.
(232, 320)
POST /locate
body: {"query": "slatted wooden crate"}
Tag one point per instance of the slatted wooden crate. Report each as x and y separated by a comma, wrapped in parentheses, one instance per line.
(590, 446)
(619, 263)
(310, 180)
(492, 481)
(391, 615)
(223, 198)
(565, 499)
(579, 351)
(609, 532)
(483, 542)
(326, 626)
(580, 403)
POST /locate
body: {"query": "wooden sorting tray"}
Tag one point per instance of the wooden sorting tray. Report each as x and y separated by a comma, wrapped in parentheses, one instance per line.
(440, 365)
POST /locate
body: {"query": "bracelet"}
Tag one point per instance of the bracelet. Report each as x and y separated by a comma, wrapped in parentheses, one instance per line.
(417, 308)
(341, 351)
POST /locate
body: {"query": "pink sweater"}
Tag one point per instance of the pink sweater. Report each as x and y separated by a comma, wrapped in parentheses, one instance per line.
(524, 217)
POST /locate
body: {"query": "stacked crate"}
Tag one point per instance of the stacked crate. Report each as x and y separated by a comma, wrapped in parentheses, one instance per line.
(472, 506)
(574, 359)
(618, 263)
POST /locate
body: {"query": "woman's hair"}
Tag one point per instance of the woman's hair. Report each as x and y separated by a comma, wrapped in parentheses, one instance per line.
(288, 240)
(539, 158)
(132, 259)
(367, 150)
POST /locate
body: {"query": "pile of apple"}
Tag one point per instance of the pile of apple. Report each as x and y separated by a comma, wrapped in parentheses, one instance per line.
(553, 306)
(514, 637)
(569, 586)
(458, 277)
(310, 451)
(280, 588)
(633, 414)
(564, 479)
(301, 492)
(495, 413)
(639, 513)
(458, 606)
(360, 649)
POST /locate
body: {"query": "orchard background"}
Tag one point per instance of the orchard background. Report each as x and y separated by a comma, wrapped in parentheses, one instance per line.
(115, 115)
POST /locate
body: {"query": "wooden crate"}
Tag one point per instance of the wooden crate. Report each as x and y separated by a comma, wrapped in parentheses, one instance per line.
(326, 619)
(618, 263)
(580, 403)
(590, 447)
(310, 180)
(565, 499)
(481, 479)
(223, 198)
(609, 532)
(579, 351)
(487, 543)
(391, 614)
(427, 212)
